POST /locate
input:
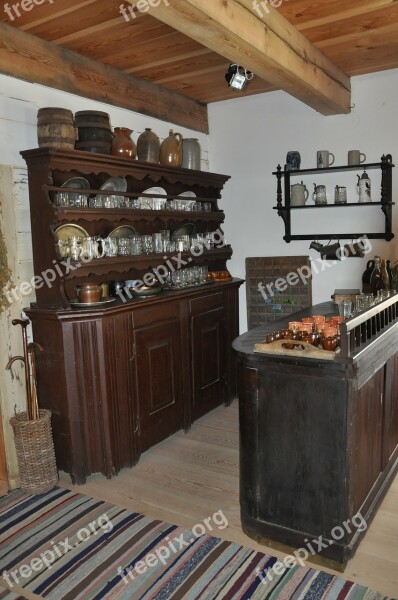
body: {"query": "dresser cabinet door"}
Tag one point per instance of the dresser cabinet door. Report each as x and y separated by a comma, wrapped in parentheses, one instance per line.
(208, 349)
(159, 381)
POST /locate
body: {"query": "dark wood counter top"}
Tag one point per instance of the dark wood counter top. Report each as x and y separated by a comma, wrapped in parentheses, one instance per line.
(245, 342)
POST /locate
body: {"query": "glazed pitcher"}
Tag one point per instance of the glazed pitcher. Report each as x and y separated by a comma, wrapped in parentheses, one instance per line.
(171, 150)
(364, 188)
(122, 144)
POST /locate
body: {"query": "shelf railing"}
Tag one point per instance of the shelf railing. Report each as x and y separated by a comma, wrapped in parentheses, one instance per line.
(359, 332)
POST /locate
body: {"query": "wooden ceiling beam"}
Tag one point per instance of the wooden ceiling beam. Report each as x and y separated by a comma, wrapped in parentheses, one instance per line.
(27, 57)
(269, 46)
(307, 14)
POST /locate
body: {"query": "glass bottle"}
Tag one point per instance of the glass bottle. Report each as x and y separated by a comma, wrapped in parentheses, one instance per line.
(376, 279)
(389, 271)
(384, 275)
(394, 273)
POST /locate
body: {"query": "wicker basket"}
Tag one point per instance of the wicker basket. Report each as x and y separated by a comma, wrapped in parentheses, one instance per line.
(35, 452)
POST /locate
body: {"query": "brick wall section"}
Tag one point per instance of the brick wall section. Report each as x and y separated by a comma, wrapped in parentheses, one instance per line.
(268, 270)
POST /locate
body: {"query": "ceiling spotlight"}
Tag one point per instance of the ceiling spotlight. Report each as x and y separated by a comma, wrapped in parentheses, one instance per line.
(237, 77)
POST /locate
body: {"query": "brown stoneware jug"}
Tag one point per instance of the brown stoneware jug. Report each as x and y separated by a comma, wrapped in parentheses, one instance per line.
(171, 150)
(148, 146)
(122, 144)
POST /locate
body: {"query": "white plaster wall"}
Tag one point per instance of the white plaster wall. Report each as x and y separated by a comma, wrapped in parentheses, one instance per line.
(250, 136)
(19, 103)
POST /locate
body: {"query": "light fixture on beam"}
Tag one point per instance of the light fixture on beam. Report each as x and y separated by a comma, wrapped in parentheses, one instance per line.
(237, 77)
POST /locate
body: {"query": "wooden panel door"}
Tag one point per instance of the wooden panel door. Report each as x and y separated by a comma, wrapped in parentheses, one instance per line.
(391, 410)
(208, 347)
(369, 436)
(394, 408)
(159, 377)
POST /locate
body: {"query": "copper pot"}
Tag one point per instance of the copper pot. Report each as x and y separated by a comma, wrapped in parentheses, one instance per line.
(89, 292)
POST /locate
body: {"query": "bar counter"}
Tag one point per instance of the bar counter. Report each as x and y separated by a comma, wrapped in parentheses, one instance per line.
(319, 438)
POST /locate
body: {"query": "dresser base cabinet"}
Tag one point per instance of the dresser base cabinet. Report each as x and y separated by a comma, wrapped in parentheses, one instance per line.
(120, 380)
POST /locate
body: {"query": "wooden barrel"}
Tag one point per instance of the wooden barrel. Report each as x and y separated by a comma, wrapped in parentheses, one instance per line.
(94, 131)
(99, 147)
(55, 128)
(92, 116)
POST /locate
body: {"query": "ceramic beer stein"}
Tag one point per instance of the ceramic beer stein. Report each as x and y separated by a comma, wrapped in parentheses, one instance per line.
(298, 194)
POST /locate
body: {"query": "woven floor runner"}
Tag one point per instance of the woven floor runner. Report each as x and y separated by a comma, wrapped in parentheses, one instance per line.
(64, 545)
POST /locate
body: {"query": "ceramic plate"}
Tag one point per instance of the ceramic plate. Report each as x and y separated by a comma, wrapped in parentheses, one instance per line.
(187, 229)
(146, 291)
(184, 204)
(77, 304)
(115, 184)
(79, 183)
(69, 230)
(125, 231)
(146, 202)
(187, 195)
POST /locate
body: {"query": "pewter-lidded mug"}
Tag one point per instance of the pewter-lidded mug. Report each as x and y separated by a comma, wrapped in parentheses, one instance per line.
(319, 194)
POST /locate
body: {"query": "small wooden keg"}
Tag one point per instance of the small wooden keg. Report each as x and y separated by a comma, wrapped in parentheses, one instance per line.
(94, 131)
(55, 128)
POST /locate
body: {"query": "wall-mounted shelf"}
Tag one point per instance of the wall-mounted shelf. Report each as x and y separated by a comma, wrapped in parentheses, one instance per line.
(284, 208)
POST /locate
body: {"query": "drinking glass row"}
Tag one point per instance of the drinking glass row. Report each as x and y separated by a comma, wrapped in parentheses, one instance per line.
(187, 277)
(72, 199)
(88, 248)
(158, 243)
(351, 308)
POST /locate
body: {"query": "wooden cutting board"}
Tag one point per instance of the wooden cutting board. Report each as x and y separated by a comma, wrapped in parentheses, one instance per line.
(300, 350)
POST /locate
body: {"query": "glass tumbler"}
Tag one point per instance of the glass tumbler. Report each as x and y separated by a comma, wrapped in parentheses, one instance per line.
(157, 240)
(62, 199)
(123, 246)
(96, 202)
(135, 245)
(75, 244)
(147, 244)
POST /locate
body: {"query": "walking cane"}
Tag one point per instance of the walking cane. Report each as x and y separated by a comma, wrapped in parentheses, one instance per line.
(28, 360)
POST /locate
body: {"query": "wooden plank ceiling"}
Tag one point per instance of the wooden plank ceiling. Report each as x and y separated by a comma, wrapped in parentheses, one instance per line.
(359, 36)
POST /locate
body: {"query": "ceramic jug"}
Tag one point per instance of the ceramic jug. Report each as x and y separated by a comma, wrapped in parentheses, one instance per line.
(171, 150)
(148, 146)
(191, 154)
(298, 194)
(122, 144)
(366, 289)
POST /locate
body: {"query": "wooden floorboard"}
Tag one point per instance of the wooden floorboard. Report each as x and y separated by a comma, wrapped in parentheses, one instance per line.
(188, 478)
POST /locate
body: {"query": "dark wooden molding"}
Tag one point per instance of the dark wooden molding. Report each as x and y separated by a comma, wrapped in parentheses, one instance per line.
(32, 59)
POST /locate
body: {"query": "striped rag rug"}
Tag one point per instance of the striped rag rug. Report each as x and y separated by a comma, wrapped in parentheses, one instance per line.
(64, 545)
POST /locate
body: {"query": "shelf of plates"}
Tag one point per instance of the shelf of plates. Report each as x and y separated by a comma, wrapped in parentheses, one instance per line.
(144, 199)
